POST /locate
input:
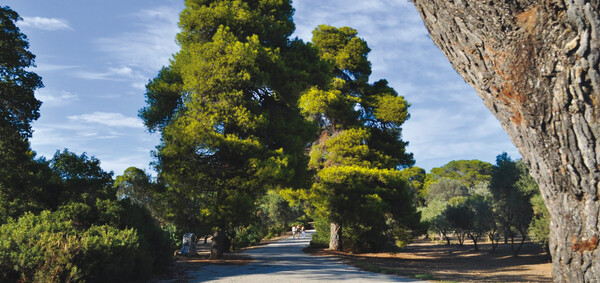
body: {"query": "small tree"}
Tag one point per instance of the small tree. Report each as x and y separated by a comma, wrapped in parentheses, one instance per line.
(482, 221)
(512, 191)
(434, 216)
(460, 218)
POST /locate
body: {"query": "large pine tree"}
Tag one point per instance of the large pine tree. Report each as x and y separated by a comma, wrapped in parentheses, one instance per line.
(357, 184)
(226, 109)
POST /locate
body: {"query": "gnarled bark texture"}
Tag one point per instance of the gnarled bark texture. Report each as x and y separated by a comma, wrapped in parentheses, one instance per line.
(535, 64)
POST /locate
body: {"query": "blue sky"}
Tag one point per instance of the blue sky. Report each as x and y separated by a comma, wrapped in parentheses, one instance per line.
(95, 58)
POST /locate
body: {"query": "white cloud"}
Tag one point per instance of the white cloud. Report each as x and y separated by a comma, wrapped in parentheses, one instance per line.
(54, 98)
(49, 24)
(52, 67)
(109, 119)
(122, 71)
(111, 74)
(149, 47)
(89, 75)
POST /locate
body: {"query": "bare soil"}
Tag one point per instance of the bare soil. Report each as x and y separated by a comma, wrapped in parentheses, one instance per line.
(432, 261)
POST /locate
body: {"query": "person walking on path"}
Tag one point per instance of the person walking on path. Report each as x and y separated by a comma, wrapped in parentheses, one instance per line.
(303, 232)
(294, 232)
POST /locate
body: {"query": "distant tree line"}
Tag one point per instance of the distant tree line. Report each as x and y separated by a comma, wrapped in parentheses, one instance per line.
(477, 200)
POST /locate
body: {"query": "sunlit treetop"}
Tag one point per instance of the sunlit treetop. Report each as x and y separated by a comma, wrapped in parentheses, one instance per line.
(271, 20)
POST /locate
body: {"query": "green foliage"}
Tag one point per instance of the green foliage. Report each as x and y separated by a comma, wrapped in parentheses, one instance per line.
(500, 206)
(273, 216)
(468, 172)
(81, 178)
(18, 106)
(34, 185)
(360, 199)
(357, 185)
(50, 248)
(466, 217)
(21, 181)
(249, 236)
(320, 239)
(272, 20)
(416, 179)
(433, 209)
(446, 189)
(227, 111)
(137, 186)
(344, 50)
(512, 187)
(60, 219)
(173, 234)
(26, 184)
(277, 212)
(164, 96)
(540, 223)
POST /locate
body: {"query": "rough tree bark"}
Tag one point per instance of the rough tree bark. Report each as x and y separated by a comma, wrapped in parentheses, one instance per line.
(535, 64)
(335, 236)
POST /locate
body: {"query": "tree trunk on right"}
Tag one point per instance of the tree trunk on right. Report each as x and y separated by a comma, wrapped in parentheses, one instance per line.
(535, 64)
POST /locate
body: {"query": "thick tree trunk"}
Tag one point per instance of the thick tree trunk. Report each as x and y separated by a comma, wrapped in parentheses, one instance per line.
(218, 245)
(335, 237)
(536, 66)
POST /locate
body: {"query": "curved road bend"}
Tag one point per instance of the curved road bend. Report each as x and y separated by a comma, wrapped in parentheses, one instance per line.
(284, 261)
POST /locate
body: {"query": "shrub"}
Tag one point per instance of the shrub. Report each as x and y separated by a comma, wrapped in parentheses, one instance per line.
(249, 236)
(48, 248)
(320, 239)
(71, 244)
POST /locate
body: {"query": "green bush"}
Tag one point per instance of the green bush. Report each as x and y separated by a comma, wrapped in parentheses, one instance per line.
(155, 246)
(110, 254)
(173, 235)
(50, 248)
(68, 245)
(249, 236)
(320, 239)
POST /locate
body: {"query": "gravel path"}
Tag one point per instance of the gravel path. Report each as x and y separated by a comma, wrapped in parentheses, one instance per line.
(284, 261)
